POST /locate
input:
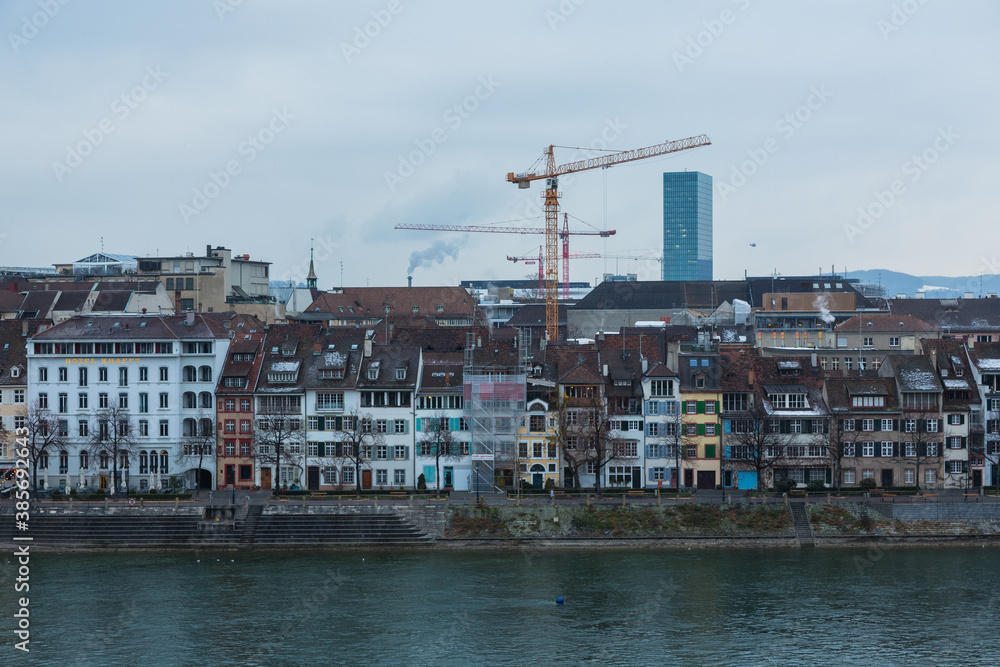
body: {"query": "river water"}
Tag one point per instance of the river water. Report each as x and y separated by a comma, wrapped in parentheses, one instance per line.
(906, 606)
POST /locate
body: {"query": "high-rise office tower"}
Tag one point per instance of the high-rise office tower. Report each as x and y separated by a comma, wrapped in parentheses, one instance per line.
(687, 226)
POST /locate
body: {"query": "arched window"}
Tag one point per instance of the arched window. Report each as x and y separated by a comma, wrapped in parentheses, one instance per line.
(189, 400)
(143, 463)
(105, 460)
(189, 427)
(43, 460)
(190, 374)
(205, 374)
(123, 461)
(163, 462)
(206, 399)
(154, 463)
(84, 460)
(63, 462)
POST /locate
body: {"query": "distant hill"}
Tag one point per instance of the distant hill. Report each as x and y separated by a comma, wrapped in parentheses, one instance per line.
(935, 287)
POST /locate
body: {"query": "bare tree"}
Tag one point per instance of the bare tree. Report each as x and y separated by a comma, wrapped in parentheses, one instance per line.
(836, 445)
(917, 443)
(671, 433)
(278, 439)
(42, 438)
(438, 441)
(755, 443)
(199, 442)
(357, 440)
(588, 440)
(113, 434)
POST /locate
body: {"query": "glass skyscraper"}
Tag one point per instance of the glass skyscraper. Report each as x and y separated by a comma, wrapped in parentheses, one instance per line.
(687, 226)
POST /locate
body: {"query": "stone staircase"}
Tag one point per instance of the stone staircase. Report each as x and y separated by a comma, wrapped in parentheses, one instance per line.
(108, 531)
(803, 532)
(250, 524)
(334, 530)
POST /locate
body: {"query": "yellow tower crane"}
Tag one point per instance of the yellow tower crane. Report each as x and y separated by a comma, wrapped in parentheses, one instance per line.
(551, 196)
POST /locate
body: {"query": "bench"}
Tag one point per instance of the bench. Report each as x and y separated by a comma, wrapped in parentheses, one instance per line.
(890, 496)
(317, 496)
(971, 495)
(930, 496)
(398, 493)
(636, 492)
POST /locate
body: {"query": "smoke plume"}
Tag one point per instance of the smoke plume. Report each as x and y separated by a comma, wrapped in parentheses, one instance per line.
(437, 253)
(820, 304)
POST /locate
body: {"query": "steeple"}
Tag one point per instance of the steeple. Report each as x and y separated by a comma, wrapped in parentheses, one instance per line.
(311, 278)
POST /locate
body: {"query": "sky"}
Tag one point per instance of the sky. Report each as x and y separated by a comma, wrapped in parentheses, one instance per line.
(851, 134)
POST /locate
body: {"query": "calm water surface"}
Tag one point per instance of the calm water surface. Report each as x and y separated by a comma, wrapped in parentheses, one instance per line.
(913, 607)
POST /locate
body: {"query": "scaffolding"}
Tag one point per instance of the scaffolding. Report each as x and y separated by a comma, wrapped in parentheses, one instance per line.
(494, 403)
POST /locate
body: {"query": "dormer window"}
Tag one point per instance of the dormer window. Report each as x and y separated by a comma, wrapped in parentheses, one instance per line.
(789, 401)
(331, 374)
(15, 372)
(416, 309)
(400, 373)
(868, 401)
(372, 373)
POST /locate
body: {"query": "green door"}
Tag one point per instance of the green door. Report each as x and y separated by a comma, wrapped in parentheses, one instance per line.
(449, 476)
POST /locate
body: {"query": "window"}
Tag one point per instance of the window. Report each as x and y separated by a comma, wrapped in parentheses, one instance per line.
(164, 400)
(164, 374)
(867, 424)
(381, 426)
(954, 467)
(817, 426)
(887, 425)
(849, 476)
(143, 402)
(43, 374)
(43, 400)
(329, 401)
(102, 374)
(400, 453)
(848, 449)
(908, 476)
(910, 425)
(886, 448)
(381, 452)
(709, 429)
(795, 425)
(835, 362)
(399, 426)
(932, 449)
(230, 426)
(164, 428)
(848, 424)
(691, 407)
(955, 442)
(893, 341)
(867, 474)
(102, 400)
(244, 426)
(661, 388)
(244, 405)
(63, 402)
(867, 449)
(709, 407)
(956, 420)
(143, 374)
(910, 449)
(932, 425)
(144, 427)
(930, 476)
(848, 363)
(868, 341)
(83, 428)
(123, 376)
(399, 476)
(123, 401)
(691, 451)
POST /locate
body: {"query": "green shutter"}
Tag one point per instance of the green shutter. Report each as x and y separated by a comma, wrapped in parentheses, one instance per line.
(418, 430)
(339, 423)
(709, 451)
(322, 423)
(701, 407)
(453, 424)
(701, 429)
(322, 449)
(807, 426)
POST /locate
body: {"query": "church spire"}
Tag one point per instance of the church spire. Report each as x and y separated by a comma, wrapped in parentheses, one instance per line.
(311, 278)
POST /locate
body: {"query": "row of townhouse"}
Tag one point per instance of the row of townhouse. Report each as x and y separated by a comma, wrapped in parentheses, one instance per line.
(223, 402)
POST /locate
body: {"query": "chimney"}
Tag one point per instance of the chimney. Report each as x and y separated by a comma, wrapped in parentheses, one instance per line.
(409, 281)
(934, 358)
(645, 365)
(189, 319)
(24, 328)
(605, 370)
(368, 347)
(750, 378)
(814, 360)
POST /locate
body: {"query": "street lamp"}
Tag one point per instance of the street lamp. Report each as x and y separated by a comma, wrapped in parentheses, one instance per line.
(477, 482)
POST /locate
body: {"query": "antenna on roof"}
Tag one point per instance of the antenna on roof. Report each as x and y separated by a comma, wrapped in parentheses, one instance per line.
(102, 245)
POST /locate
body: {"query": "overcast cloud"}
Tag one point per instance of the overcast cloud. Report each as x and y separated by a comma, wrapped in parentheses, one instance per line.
(166, 126)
